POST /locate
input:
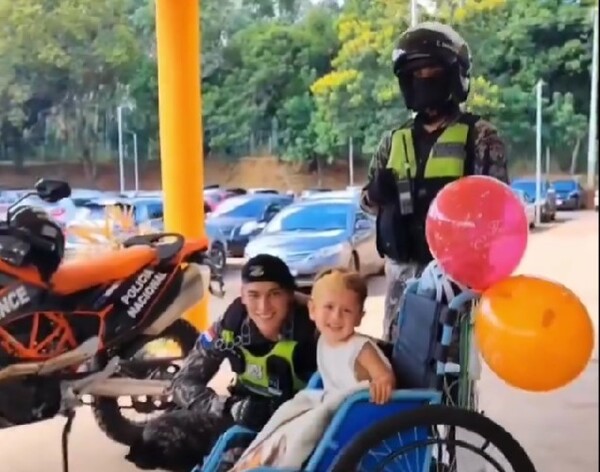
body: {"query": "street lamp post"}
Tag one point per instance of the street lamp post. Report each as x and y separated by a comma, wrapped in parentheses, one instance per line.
(538, 152)
(127, 106)
(414, 12)
(136, 175)
(351, 162)
(121, 164)
(593, 123)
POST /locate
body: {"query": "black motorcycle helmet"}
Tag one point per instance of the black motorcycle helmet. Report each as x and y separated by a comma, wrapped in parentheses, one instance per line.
(432, 44)
(38, 225)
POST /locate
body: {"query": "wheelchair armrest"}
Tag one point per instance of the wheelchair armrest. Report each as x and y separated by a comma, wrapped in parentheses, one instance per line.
(241, 430)
(315, 382)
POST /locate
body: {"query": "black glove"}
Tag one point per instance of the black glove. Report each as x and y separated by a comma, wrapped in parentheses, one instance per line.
(253, 412)
(281, 379)
(236, 359)
(383, 189)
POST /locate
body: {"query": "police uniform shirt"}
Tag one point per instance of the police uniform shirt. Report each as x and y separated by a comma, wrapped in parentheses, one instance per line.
(204, 361)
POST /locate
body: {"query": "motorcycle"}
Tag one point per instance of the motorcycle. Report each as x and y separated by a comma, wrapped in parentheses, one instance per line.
(75, 329)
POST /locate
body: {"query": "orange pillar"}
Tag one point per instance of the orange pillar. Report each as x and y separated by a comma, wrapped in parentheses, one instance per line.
(180, 114)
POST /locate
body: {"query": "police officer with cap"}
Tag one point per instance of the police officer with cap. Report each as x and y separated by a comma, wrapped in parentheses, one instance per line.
(270, 341)
(442, 143)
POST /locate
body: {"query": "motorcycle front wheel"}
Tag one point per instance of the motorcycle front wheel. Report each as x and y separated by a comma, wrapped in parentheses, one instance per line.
(109, 414)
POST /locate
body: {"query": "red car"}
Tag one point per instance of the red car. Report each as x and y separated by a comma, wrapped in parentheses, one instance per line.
(214, 195)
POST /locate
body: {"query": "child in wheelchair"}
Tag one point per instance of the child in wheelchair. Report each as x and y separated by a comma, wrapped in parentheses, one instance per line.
(347, 361)
(345, 358)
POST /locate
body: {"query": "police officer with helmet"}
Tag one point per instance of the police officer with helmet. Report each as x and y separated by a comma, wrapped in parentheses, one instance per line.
(270, 342)
(413, 162)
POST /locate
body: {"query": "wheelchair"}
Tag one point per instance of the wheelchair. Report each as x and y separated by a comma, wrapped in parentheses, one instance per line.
(417, 429)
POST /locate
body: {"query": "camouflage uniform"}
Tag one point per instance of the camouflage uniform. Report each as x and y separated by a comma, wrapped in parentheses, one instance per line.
(489, 158)
(181, 438)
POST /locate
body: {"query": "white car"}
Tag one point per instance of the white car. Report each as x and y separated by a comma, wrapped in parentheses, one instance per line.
(62, 211)
(528, 204)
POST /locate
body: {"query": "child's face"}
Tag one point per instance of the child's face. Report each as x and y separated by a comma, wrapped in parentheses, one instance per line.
(336, 312)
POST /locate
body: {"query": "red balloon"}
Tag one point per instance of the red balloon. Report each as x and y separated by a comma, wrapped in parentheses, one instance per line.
(477, 231)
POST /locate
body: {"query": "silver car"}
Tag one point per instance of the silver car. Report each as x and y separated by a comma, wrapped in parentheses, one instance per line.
(320, 233)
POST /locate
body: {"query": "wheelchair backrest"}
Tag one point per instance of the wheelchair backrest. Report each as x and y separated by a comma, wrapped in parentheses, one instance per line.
(426, 329)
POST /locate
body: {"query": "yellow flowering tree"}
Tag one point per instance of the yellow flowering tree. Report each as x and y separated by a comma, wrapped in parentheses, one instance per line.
(360, 97)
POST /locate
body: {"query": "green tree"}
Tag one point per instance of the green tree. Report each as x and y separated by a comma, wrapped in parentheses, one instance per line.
(523, 42)
(260, 90)
(360, 97)
(68, 59)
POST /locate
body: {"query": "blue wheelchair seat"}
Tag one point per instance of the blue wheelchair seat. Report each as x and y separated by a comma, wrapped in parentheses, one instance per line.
(419, 357)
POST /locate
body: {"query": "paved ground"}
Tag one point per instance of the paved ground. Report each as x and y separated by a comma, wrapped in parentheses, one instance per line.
(559, 430)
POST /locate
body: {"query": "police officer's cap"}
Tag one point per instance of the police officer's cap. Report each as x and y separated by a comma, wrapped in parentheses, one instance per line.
(267, 268)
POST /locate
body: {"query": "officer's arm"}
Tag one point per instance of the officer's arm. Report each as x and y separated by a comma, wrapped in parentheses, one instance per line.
(490, 152)
(378, 161)
(199, 368)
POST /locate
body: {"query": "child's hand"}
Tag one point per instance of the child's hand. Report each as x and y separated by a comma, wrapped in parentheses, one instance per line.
(381, 389)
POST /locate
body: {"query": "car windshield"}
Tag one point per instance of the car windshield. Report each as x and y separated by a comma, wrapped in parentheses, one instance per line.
(241, 207)
(322, 217)
(565, 185)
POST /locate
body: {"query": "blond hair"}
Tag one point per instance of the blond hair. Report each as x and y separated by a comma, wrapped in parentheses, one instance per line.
(340, 277)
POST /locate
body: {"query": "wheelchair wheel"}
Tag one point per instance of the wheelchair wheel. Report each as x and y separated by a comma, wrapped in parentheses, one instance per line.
(434, 438)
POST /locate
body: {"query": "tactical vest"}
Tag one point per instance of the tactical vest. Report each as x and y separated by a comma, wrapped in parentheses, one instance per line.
(446, 159)
(256, 376)
(403, 238)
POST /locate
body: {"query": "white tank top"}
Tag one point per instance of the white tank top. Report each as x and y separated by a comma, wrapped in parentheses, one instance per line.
(337, 363)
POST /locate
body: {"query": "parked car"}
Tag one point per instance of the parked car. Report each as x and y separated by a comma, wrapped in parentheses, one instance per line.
(90, 225)
(313, 191)
(315, 234)
(569, 194)
(81, 196)
(242, 217)
(332, 195)
(213, 196)
(63, 211)
(141, 209)
(529, 206)
(263, 190)
(7, 198)
(140, 193)
(237, 191)
(548, 196)
(147, 214)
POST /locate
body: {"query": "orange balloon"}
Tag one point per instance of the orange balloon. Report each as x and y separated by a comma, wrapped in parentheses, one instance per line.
(534, 334)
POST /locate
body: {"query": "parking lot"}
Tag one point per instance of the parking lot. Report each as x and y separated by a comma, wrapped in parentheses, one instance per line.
(559, 429)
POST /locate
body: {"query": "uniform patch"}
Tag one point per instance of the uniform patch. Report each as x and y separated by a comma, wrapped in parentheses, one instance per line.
(206, 339)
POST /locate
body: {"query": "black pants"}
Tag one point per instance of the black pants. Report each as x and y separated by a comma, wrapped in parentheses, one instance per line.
(180, 439)
(177, 440)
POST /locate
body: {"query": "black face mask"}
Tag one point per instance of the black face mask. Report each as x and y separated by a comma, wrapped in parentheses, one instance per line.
(430, 93)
